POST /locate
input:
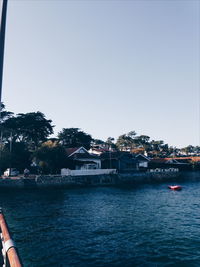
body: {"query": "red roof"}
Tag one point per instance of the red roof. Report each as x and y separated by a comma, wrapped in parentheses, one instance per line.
(162, 160)
(195, 158)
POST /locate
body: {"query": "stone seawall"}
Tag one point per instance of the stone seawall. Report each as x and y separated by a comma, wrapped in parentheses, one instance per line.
(62, 181)
(44, 181)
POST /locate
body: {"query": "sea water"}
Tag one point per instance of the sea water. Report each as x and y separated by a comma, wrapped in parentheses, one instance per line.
(146, 225)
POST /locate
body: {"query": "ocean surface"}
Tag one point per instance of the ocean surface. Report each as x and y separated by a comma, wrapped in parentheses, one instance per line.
(147, 225)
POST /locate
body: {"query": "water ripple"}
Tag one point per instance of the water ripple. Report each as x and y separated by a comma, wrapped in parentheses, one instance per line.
(143, 226)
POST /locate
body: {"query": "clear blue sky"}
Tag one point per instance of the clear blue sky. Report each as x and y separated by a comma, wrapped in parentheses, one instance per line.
(107, 67)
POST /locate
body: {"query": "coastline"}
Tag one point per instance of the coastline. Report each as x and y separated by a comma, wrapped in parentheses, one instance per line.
(58, 181)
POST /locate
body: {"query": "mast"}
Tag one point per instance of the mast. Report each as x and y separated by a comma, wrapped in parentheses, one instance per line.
(3, 11)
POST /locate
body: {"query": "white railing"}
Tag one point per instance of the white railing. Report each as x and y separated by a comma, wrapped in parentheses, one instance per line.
(66, 172)
(164, 170)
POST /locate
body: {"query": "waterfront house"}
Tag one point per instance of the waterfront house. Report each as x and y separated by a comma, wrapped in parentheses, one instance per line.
(142, 161)
(194, 162)
(169, 163)
(80, 159)
(122, 161)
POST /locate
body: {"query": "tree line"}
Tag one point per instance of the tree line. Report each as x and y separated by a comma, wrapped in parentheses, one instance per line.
(25, 141)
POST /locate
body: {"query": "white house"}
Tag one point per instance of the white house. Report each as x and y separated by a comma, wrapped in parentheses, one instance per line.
(142, 161)
(82, 159)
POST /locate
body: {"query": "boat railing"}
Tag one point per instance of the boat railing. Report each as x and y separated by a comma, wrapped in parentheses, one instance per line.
(9, 251)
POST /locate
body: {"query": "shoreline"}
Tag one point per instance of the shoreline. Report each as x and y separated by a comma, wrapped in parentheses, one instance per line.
(58, 181)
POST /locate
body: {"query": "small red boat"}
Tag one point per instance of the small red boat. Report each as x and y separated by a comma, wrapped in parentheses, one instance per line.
(175, 187)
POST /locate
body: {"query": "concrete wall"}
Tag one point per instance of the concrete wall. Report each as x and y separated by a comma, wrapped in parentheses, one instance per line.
(68, 172)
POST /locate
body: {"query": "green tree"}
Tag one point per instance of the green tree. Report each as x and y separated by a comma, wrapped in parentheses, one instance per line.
(4, 159)
(4, 114)
(110, 143)
(4, 154)
(160, 149)
(122, 142)
(98, 143)
(51, 157)
(188, 149)
(74, 137)
(142, 141)
(132, 134)
(156, 145)
(19, 157)
(126, 142)
(197, 149)
(30, 128)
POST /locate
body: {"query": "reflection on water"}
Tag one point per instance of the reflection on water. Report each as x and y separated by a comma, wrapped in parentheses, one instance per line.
(141, 226)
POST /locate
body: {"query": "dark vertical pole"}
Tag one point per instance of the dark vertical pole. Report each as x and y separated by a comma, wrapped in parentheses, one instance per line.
(2, 41)
(3, 11)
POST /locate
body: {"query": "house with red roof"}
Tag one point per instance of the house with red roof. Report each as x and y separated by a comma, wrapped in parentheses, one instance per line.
(169, 163)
